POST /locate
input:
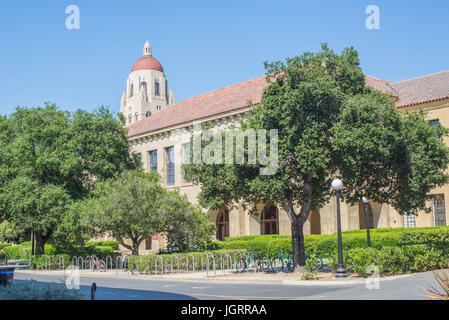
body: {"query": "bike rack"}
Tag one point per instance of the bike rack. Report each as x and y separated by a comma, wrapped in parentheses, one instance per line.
(235, 258)
(108, 258)
(59, 262)
(247, 258)
(228, 260)
(213, 259)
(202, 263)
(88, 261)
(78, 264)
(171, 262)
(119, 265)
(193, 263)
(47, 263)
(162, 264)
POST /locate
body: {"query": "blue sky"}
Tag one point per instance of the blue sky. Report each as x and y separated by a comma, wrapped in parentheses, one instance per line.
(202, 45)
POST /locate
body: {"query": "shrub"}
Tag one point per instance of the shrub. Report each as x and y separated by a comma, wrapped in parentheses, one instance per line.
(24, 251)
(103, 250)
(268, 245)
(109, 243)
(326, 245)
(434, 235)
(397, 259)
(32, 290)
(56, 262)
(4, 245)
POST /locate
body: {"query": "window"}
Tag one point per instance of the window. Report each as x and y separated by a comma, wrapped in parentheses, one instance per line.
(438, 210)
(409, 221)
(153, 160)
(269, 220)
(147, 244)
(434, 123)
(156, 88)
(136, 115)
(170, 161)
(222, 225)
(158, 107)
(186, 158)
(148, 114)
(130, 119)
(131, 90)
(144, 85)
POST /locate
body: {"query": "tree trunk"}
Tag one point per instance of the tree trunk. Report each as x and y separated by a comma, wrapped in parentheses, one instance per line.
(135, 249)
(40, 242)
(299, 259)
(297, 220)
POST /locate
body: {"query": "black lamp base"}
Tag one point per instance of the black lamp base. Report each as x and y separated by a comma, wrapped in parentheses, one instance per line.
(341, 272)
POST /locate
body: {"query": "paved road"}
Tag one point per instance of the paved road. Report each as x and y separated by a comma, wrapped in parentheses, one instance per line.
(128, 288)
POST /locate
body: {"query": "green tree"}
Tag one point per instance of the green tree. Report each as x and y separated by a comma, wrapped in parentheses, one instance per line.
(8, 232)
(129, 207)
(51, 159)
(330, 124)
(185, 224)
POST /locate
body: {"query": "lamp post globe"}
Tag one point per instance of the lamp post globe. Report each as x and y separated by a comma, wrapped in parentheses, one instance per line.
(337, 185)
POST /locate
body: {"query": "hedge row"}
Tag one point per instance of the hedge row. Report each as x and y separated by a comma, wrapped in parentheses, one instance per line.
(326, 245)
(393, 260)
(97, 248)
(4, 245)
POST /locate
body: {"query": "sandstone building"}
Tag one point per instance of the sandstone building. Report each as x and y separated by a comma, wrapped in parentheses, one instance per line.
(159, 130)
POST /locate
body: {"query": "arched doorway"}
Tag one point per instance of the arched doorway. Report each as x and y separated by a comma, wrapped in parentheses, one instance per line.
(315, 222)
(222, 225)
(269, 220)
(362, 216)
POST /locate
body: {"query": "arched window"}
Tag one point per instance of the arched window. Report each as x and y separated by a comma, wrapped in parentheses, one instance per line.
(136, 115)
(130, 119)
(158, 107)
(131, 90)
(148, 114)
(269, 220)
(156, 88)
(144, 85)
(222, 225)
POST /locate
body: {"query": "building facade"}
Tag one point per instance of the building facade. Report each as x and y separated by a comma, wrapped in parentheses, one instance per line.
(162, 139)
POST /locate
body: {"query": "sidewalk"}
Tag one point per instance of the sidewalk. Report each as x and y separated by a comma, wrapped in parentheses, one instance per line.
(228, 277)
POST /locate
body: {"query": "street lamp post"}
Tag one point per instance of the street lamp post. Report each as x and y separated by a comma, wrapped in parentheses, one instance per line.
(367, 222)
(337, 185)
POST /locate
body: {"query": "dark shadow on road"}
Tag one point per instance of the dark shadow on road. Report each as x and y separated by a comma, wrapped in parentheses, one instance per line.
(106, 293)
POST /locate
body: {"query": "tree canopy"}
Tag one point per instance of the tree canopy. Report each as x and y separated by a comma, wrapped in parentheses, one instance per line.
(330, 124)
(136, 206)
(50, 158)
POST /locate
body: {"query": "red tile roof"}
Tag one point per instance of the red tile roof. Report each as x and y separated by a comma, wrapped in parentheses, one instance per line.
(228, 99)
(424, 89)
(410, 92)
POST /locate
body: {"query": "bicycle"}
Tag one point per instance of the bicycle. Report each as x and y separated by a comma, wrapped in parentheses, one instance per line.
(285, 262)
(282, 260)
(318, 260)
(96, 264)
(255, 259)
